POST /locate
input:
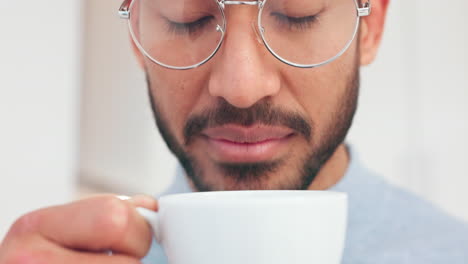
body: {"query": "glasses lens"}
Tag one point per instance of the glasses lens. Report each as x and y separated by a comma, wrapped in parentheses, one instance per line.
(308, 32)
(176, 33)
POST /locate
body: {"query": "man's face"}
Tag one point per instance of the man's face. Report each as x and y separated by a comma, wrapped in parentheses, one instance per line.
(245, 120)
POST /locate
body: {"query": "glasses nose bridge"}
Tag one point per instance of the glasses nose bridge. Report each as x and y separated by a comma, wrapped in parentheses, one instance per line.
(259, 4)
(223, 3)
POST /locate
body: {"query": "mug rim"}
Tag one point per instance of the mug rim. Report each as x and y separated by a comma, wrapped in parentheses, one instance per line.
(257, 195)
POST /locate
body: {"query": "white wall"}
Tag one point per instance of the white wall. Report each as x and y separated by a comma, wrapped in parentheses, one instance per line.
(121, 150)
(39, 81)
(411, 124)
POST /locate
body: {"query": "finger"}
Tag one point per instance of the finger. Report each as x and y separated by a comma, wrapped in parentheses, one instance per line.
(37, 249)
(97, 224)
(97, 258)
(94, 258)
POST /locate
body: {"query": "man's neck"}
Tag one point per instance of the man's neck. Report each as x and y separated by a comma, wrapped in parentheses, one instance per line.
(332, 171)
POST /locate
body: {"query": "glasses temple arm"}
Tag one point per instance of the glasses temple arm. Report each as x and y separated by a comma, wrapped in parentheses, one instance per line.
(365, 10)
(124, 10)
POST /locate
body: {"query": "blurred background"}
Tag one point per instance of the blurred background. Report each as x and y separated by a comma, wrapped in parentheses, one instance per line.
(75, 117)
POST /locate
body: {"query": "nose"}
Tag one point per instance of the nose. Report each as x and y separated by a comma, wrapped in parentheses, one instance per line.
(243, 72)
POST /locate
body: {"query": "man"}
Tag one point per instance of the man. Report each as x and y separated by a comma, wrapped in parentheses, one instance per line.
(251, 104)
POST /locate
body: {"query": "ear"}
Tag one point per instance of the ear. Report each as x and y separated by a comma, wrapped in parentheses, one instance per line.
(138, 55)
(371, 31)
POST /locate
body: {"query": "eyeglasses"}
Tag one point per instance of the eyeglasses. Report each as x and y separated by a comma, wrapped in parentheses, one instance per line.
(185, 34)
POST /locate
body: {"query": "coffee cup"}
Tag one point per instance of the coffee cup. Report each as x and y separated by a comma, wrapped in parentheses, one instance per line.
(251, 227)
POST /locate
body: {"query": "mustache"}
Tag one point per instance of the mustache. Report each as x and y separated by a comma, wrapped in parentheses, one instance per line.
(260, 113)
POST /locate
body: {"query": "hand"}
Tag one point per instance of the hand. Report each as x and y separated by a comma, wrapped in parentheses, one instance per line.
(81, 232)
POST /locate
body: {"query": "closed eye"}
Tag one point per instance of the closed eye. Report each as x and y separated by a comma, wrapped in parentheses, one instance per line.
(189, 27)
(295, 23)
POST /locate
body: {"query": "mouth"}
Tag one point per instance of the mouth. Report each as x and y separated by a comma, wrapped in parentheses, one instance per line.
(240, 144)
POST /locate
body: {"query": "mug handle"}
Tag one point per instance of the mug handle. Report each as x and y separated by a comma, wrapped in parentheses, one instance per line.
(153, 220)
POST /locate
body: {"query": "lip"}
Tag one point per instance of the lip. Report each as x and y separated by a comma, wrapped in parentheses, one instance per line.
(235, 144)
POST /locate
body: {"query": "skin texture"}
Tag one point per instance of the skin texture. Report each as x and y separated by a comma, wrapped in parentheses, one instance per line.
(242, 76)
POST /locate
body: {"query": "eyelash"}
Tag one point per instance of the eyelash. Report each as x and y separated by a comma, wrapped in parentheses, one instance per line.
(190, 27)
(297, 23)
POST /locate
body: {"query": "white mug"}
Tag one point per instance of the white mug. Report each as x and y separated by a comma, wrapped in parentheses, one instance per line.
(251, 227)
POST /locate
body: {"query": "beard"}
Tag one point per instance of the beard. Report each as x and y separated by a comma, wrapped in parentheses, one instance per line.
(259, 176)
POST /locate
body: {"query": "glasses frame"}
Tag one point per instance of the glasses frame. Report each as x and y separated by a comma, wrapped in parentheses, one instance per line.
(125, 13)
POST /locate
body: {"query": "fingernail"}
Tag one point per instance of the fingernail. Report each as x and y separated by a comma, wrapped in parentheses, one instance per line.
(123, 197)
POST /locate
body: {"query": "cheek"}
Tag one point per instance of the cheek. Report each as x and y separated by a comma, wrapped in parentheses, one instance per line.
(176, 94)
(320, 91)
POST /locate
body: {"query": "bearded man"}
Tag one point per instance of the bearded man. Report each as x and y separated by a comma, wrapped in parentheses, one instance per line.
(251, 95)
